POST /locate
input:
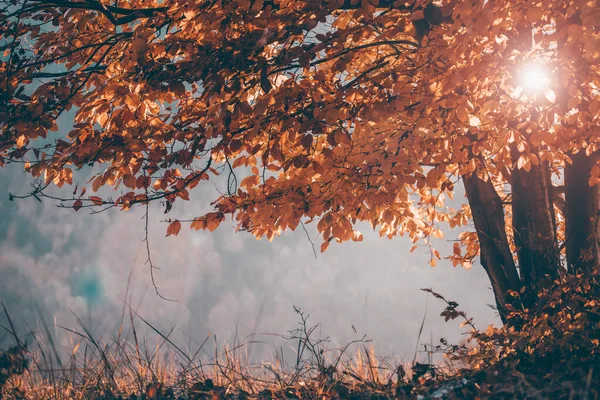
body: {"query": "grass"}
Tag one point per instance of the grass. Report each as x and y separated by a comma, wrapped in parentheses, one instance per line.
(554, 355)
(129, 366)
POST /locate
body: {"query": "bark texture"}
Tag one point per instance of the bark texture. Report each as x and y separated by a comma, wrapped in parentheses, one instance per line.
(582, 203)
(496, 257)
(534, 227)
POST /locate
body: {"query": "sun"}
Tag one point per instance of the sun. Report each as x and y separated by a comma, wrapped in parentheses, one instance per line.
(534, 78)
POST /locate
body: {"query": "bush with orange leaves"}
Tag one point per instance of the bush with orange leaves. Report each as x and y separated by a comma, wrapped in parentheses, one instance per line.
(550, 349)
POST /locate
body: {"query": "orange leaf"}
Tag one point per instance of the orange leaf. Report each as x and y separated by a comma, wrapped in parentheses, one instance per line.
(129, 181)
(178, 88)
(199, 223)
(173, 228)
(306, 141)
(77, 204)
(250, 181)
(96, 200)
(21, 141)
(474, 120)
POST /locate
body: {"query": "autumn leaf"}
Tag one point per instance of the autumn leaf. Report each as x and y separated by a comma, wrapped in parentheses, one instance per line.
(419, 14)
(21, 141)
(178, 88)
(301, 161)
(550, 95)
(474, 120)
(462, 113)
(77, 204)
(199, 223)
(524, 163)
(96, 200)
(307, 141)
(534, 14)
(249, 181)
(129, 181)
(173, 228)
(357, 236)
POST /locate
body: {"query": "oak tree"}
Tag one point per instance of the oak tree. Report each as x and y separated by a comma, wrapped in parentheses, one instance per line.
(333, 112)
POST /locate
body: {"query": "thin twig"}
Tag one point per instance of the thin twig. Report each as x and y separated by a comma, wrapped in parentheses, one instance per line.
(312, 244)
(149, 255)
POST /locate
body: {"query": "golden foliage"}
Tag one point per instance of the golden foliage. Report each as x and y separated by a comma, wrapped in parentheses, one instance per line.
(553, 348)
(340, 111)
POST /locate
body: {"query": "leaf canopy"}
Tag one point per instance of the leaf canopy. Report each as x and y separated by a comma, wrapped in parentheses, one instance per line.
(336, 111)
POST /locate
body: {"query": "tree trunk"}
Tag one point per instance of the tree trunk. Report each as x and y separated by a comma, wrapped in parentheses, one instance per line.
(496, 257)
(582, 203)
(534, 227)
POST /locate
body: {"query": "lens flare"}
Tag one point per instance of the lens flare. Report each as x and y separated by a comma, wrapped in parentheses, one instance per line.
(534, 78)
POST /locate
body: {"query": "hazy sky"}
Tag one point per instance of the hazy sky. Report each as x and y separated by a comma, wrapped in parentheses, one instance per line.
(225, 282)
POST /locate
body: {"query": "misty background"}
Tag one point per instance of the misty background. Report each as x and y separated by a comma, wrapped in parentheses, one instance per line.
(67, 264)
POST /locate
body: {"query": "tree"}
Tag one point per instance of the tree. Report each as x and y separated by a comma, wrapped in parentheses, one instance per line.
(335, 111)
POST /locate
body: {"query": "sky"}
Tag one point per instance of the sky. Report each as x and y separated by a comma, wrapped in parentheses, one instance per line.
(57, 264)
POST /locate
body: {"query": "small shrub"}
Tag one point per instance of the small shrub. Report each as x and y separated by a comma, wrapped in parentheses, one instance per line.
(551, 349)
(12, 362)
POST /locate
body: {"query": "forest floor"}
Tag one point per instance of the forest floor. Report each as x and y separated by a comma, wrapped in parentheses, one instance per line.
(552, 353)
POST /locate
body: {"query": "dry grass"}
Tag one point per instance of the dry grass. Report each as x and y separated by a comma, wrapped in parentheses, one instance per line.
(546, 357)
(128, 366)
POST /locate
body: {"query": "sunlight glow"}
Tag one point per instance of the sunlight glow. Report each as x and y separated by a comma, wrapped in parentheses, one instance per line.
(534, 78)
